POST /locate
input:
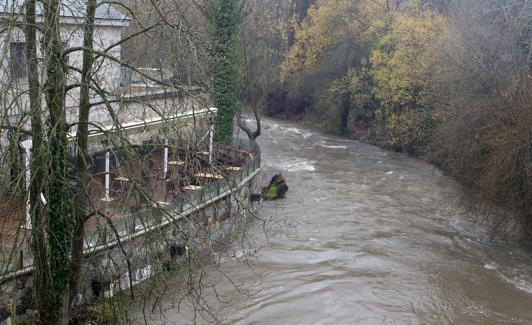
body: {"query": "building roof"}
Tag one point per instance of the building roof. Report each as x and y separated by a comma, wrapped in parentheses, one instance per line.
(69, 9)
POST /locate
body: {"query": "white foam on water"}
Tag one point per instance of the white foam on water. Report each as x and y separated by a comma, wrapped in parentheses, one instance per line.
(304, 134)
(390, 172)
(295, 165)
(517, 282)
(333, 146)
(490, 266)
(295, 130)
(329, 145)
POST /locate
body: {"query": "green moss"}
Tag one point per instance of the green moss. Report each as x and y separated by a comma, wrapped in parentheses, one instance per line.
(273, 192)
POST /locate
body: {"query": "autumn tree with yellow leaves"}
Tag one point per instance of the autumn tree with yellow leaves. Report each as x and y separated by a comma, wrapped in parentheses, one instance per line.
(361, 61)
(445, 80)
(401, 72)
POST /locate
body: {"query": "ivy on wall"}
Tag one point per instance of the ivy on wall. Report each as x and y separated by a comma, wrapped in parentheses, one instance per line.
(225, 19)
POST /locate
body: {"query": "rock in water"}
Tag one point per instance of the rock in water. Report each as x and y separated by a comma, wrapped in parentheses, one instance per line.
(276, 189)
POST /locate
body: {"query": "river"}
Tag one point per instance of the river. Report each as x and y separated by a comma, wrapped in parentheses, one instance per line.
(364, 236)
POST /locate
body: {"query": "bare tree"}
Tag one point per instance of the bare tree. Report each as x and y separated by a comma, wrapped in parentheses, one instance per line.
(72, 117)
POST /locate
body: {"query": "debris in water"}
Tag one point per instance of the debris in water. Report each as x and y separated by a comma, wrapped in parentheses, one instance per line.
(276, 189)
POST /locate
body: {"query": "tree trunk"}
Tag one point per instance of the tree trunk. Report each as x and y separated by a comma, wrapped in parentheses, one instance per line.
(252, 135)
(82, 158)
(16, 169)
(38, 168)
(345, 105)
(60, 219)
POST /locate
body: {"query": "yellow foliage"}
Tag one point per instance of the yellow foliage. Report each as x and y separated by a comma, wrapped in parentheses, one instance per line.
(400, 67)
(402, 80)
(388, 76)
(327, 24)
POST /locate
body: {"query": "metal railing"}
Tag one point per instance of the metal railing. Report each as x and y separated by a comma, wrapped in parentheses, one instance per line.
(137, 224)
(158, 216)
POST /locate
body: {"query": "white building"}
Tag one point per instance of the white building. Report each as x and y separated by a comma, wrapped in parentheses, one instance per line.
(133, 105)
(143, 112)
(108, 31)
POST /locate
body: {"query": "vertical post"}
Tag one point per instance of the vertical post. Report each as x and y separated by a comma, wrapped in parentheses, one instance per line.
(107, 175)
(27, 145)
(165, 158)
(21, 260)
(211, 141)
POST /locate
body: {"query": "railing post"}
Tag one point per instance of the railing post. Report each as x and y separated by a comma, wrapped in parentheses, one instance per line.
(165, 158)
(27, 145)
(132, 226)
(179, 205)
(107, 180)
(21, 260)
(211, 141)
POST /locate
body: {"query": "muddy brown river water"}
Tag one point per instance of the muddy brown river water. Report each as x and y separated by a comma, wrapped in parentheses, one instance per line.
(364, 236)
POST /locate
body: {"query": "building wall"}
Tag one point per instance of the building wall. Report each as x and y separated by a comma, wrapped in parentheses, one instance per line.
(107, 74)
(127, 105)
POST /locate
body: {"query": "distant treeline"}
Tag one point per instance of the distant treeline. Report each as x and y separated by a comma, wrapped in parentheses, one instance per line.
(448, 80)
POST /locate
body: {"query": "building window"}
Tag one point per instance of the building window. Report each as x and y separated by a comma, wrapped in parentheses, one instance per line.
(125, 76)
(17, 53)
